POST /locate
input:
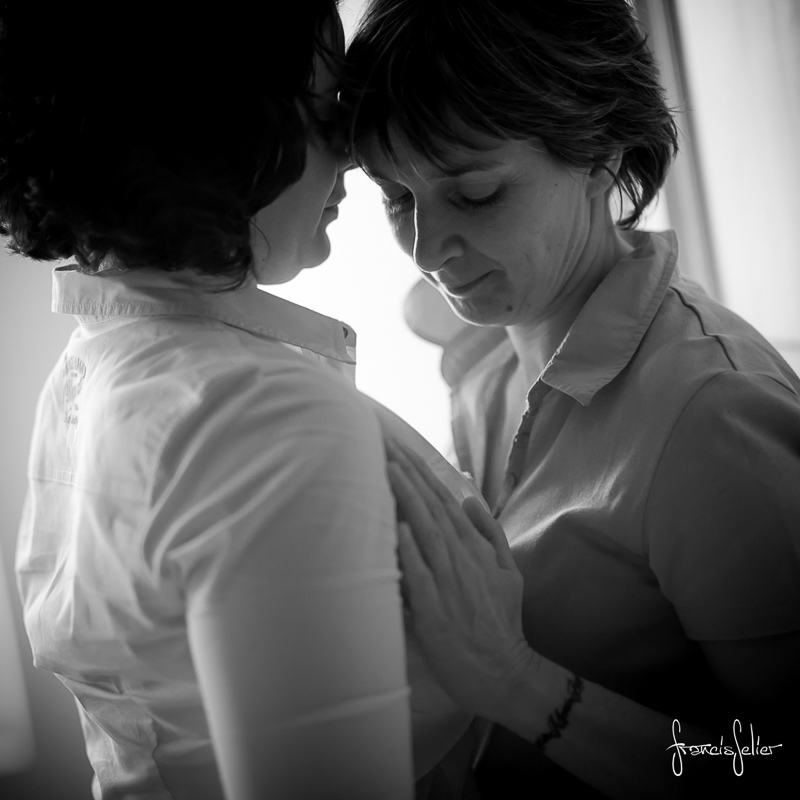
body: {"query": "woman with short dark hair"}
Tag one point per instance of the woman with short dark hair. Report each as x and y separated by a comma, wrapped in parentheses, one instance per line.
(207, 553)
(638, 442)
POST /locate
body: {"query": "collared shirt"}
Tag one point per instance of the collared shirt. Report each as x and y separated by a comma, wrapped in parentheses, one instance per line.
(654, 500)
(207, 494)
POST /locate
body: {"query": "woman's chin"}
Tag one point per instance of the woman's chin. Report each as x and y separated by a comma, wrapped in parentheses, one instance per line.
(270, 274)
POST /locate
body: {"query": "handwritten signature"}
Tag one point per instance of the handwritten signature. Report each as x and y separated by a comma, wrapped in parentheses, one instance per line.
(755, 748)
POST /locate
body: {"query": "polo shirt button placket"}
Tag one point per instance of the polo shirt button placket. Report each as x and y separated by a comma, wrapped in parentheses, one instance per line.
(519, 446)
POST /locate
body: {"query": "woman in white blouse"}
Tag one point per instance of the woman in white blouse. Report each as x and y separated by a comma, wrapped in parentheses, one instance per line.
(207, 553)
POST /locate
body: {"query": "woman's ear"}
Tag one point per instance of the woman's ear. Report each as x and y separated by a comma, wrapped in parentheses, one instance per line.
(603, 175)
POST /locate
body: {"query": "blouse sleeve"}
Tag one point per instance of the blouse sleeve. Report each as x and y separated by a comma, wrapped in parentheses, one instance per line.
(723, 519)
(277, 519)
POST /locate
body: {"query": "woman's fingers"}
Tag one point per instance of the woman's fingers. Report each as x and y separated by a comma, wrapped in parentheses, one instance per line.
(411, 504)
(416, 464)
(461, 588)
(417, 585)
(426, 525)
(444, 506)
(417, 498)
(490, 529)
(440, 501)
(461, 544)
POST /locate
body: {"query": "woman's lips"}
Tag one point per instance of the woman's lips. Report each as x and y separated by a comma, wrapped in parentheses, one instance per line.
(463, 289)
(331, 210)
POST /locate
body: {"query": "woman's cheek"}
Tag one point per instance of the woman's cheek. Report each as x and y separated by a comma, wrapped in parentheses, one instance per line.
(403, 231)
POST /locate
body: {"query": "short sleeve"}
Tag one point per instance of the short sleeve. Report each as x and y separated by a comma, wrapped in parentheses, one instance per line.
(286, 459)
(722, 526)
(276, 519)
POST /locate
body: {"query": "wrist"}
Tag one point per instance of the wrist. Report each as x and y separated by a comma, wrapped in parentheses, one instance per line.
(539, 698)
(521, 686)
(558, 720)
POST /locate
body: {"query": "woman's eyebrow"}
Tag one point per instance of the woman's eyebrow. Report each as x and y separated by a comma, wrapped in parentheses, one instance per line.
(477, 165)
(453, 171)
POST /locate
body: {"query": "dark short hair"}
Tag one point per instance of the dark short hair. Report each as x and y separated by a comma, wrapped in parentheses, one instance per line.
(577, 74)
(132, 129)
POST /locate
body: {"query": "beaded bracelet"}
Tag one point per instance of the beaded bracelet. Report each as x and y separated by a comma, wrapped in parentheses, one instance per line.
(558, 720)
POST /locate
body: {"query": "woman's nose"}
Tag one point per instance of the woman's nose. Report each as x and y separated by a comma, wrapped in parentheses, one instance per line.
(436, 241)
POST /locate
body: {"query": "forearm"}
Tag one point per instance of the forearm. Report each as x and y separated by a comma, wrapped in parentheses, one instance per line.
(609, 741)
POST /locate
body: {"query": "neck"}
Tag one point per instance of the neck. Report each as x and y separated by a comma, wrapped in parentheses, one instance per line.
(537, 340)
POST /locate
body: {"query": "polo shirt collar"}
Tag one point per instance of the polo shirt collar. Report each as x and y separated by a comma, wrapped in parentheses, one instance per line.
(613, 321)
(119, 293)
(606, 332)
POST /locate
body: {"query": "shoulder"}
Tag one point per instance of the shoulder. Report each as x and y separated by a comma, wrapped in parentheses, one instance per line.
(208, 369)
(721, 527)
(698, 336)
(285, 462)
(214, 392)
(736, 422)
(732, 422)
(711, 363)
(288, 397)
(696, 356)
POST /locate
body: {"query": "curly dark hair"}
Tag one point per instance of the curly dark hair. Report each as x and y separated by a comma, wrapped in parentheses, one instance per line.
(576, 74)
(152, 135)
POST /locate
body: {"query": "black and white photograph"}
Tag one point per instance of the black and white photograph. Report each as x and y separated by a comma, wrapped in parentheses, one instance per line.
(400, 399)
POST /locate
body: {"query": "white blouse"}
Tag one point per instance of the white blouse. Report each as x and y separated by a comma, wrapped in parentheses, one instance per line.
(207, 552)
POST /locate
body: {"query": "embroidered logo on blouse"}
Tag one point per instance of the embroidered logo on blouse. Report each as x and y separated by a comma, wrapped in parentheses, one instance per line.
(75, 371)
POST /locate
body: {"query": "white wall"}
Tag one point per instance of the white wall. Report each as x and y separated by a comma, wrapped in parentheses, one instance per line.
(742, 65)
(31, 338)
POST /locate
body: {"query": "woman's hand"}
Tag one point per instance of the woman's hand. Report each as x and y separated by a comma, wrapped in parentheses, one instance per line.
(463, 598)
(462, 590)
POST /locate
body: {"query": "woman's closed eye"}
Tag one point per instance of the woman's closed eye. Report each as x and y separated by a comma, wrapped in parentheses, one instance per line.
(473, 199)
(479, 197)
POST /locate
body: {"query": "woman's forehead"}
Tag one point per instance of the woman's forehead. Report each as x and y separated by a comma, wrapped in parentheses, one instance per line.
(471, 152)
